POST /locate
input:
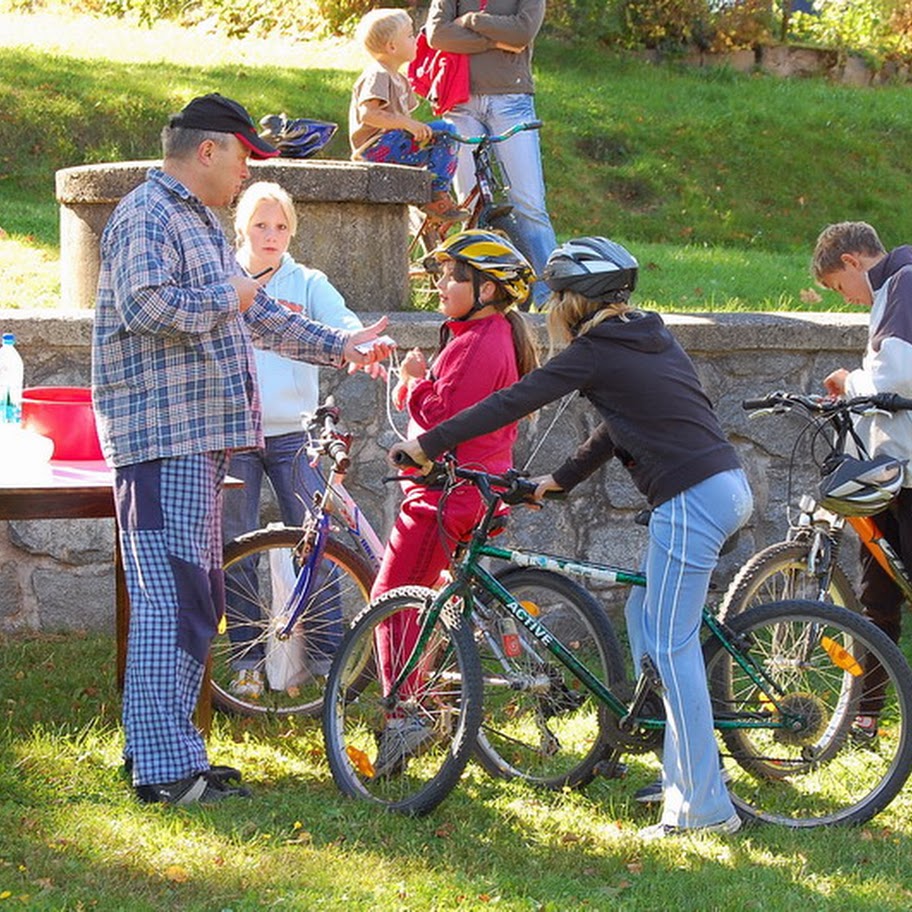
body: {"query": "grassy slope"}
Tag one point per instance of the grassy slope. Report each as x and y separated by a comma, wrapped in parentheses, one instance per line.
(719, 181)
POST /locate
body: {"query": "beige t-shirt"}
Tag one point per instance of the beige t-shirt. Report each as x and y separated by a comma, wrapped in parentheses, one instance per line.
(393, 92)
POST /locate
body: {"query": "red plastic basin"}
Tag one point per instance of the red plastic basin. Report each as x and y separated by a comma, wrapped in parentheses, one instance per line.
(63, 413)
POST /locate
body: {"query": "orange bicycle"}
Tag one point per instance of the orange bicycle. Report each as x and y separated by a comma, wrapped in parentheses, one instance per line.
(805, 565)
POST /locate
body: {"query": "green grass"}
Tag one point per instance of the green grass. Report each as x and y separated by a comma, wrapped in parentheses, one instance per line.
(718, 181)
(72, 837)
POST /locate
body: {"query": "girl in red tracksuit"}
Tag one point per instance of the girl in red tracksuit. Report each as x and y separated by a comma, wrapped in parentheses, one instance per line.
(481, 277)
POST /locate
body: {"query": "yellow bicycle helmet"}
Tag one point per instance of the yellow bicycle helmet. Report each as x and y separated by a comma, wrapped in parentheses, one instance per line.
(491, 253)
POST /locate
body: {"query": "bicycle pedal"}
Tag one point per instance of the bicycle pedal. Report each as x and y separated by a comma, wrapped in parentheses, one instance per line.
(610, 769)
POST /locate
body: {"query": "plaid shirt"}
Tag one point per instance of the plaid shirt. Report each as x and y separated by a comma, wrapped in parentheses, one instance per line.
(172, 363)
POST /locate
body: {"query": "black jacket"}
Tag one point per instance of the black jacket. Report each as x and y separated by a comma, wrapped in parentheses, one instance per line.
(655, 416)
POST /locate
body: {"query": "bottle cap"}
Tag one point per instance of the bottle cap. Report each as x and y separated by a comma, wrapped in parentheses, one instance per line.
(9, 339)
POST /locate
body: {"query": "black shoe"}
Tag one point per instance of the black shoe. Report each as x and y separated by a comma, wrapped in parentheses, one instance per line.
(218, 771)
(203, 788)
(649, 794)
(652, 793)
(864, 731)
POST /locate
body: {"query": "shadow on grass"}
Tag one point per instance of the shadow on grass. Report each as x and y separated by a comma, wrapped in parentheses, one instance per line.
(71, 832)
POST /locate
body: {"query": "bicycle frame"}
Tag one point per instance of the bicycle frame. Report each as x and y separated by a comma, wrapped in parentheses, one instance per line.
(469, 575)
(333, 500)
(827, 528)
(480, 200)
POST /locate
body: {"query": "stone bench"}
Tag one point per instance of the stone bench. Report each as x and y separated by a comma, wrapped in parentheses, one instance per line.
(352, 223)
(59, 573)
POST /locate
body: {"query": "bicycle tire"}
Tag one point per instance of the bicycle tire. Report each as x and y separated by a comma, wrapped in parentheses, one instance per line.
(819, 772)
(540, 724)
(447, 702)
(780, 572)
(320, 625)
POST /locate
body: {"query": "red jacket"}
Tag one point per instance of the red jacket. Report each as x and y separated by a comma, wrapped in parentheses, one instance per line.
(478, 359)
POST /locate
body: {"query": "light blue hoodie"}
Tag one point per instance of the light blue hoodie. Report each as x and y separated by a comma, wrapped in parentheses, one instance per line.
(289, 387)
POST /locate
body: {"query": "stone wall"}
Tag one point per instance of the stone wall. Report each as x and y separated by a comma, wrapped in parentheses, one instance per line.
(58, 574)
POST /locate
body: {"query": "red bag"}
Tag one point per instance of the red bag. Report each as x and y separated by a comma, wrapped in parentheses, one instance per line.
(441, 77)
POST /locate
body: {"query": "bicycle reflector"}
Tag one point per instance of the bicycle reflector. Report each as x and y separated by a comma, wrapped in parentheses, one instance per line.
(861, 487)
(841, 657)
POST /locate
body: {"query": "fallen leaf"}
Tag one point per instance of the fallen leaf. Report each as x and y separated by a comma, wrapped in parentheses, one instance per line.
(810, 296)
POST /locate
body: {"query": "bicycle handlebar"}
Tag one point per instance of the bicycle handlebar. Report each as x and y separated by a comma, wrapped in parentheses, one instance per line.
(333, 443)
(827, 405)
(496, 138)
(511, 487)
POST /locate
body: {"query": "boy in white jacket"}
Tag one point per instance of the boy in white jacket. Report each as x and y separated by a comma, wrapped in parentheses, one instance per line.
(850, 259)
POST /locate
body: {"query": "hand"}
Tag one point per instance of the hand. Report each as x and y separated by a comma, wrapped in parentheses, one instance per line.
(246, 289)
(413, 451)
(375, 370)
(379, 352)
(543, 484)
(509, 48)
(414, 365)
(421, 131)
(834, 384)
(400, 394)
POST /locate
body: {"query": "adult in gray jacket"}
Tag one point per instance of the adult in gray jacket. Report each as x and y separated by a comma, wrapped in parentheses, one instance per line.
(498, 35)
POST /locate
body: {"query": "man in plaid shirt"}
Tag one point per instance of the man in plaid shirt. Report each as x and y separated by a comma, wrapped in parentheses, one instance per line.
(174, 389)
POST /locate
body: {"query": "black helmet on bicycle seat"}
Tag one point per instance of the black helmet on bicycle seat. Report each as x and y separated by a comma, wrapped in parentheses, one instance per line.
(592, 266)
(491, 253)
(861, 487)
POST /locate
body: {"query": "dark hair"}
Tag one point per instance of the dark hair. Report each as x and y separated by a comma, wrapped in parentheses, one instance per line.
(180, 142)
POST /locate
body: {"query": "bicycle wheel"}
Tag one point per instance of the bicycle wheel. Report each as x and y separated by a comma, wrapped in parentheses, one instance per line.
(803, 764)
(406, 752)
(260, 568)
(780, 572)
(540, 723)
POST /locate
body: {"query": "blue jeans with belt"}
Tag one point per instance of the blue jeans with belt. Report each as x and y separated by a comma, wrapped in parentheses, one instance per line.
(520, 161)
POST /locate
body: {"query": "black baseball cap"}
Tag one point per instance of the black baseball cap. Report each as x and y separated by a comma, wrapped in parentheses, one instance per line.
(219, 114)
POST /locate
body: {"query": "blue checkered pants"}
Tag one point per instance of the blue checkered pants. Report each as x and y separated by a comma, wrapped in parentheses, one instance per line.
(169, 511)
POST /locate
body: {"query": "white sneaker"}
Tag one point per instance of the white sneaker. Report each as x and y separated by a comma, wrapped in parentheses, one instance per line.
(664, 830)
(248, 683)
(401, 739)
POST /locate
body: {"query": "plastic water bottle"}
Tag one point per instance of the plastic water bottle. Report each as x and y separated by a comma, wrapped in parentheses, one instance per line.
(11, 377)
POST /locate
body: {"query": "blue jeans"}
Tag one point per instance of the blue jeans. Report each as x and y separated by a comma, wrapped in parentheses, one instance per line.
(520, 160)
(294, 483)
(686, 534)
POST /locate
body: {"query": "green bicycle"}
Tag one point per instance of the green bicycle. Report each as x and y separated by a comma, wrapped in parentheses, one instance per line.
(539, 692)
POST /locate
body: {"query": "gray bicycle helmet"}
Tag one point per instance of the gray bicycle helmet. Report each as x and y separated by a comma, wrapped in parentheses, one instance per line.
(861, 487)
(592, 266)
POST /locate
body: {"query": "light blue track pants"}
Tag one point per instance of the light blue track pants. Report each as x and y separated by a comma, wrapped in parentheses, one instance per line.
(169, 511)
(663, 622)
